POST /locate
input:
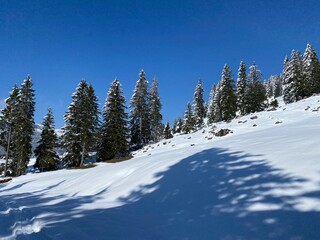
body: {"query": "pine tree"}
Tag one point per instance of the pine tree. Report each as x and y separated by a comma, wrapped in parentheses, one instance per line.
(113, 142)
(198, 105)
(24, 127)
(228, 98)
(256, 92)
(8, 122)
(167, 131)
(82, 122)
(155, 115)
(241, 89)
(139, 118)
(211, 105)
(47, 158)
(189, 123)
(311, 70)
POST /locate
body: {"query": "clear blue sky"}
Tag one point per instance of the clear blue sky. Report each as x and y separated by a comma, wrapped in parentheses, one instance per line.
(59, 42)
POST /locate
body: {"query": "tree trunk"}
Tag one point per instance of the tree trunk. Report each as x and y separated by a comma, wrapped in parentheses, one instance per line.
(7, 153)
(83, 153)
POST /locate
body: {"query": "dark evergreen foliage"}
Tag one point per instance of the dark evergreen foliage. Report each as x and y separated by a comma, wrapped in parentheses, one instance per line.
(241, 89)
(113, 142)
(199, 111)
(256, 92)
(46, 157)
(167, 131)
(311, 71)
(227, 101)
(156, 126)
(140, 112)
(8, 121)
(189, 122)
(24, 127)
(82, 122)
(211, 105)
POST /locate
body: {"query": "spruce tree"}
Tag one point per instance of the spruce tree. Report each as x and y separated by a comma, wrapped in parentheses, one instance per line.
(198, 105)
(24, 127)
(228, 98)
(154, 114)
(189, 123)
(177, 126)
(241, 89)
(8, 120)
(82, 122)
(46, 157)
(211, 105)
(139, 114)
(311, 70)
(295, 86)
(113, 142)
(286, 81)
(256, 92)
(217, 115)
(167, 131)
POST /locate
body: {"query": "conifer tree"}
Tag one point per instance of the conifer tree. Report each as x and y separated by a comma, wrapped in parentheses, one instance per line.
(295, 87)
(256, 92)
(46, 157)
(198, 105)
(155, 115)
(211, 105)
(241, 89)
(24, 127)
(217, 115)
(167, 131)
(82, 122)
(189, 123)
(8, 122)
(139, 114)
(177, 126)
(113, 140)
(228, 98)
(311, 70)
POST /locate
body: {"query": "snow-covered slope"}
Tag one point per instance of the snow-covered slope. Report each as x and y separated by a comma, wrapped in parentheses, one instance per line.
(260, 182)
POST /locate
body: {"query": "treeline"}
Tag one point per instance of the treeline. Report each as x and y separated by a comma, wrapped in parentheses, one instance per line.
(113, 135)
(114, 132)
(299, 79)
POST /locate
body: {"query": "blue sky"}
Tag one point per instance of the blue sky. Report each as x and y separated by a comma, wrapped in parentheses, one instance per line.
(60, 42)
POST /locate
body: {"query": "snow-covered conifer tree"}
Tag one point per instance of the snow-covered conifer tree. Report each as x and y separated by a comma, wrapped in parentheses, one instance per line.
(8, 120)
(311, 70)
(82, 122)
(188, 123)
(113, 140)
(198, 105)
(211, 105)
(256, 92)
(139, 114)
(241, 89)
(295, 87)
(155, 114)
(24, 127)
(46, 157)
(167, 131)
(228, 98)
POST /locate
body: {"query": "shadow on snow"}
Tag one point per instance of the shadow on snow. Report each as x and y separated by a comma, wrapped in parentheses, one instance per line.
(214, 194)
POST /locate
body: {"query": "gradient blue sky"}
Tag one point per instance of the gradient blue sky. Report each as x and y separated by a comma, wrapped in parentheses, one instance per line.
(59, 42)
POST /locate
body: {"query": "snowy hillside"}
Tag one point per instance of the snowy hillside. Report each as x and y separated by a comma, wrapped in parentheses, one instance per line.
(260, 182)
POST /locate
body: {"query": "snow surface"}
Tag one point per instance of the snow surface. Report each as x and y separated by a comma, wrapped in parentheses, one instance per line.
(259, 182)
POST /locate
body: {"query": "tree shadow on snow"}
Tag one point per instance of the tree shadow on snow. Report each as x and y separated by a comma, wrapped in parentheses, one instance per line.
(214, 194)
